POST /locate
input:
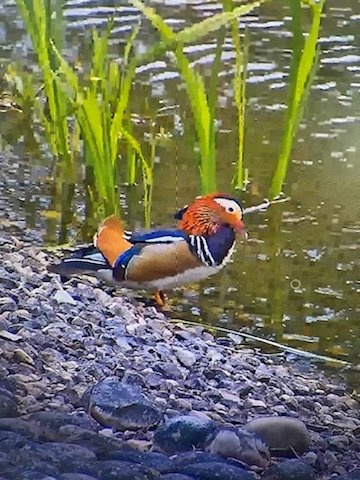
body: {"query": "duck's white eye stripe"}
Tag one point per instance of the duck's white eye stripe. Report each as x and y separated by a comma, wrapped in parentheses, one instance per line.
(229, 205)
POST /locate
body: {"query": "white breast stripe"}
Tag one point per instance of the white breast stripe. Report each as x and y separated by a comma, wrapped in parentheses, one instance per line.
(164, 239)
(199, 250)
(211, 261)
(202, 250)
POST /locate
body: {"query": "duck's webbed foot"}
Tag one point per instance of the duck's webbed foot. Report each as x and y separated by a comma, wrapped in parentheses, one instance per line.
(160, 298)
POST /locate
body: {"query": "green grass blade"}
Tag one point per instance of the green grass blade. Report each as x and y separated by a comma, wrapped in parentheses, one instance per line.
(300, 77)
(215, 22)
(165, 31)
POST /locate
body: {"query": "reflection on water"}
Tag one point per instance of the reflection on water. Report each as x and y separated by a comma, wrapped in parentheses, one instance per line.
(297, 278)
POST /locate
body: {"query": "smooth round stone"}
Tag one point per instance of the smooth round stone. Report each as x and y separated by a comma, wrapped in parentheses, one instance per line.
(11, 441)
(64, 456)
(155, 460)
(175, 476)
(115, 470)
(7, 407)
(122, 406)
(239, 444)
(355, 475)
(282, 434)
(293, 469)
(216, 471)
(43, 471)
(51, 423)
(191, 458)
(183, 433)
(76, 476)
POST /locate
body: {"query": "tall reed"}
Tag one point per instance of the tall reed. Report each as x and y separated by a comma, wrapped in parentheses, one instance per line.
(303, 63)
(45, 26)
(202, 103)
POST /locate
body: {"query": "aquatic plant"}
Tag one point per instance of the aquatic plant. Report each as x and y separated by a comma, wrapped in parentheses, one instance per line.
(86, 114)
(44, 20)
(203, 103)
(302, 70)
(97, 100)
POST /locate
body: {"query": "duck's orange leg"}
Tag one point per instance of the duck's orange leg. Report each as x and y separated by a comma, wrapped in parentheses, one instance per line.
(160, 298)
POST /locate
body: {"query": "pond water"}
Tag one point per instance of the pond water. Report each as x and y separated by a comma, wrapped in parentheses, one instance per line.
(296, 280)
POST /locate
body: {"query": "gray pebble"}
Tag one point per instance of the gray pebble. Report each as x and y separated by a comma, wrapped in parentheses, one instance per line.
(283, 434)
(239, 444)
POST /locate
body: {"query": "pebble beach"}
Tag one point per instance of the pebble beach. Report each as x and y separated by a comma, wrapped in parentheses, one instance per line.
(95, 385)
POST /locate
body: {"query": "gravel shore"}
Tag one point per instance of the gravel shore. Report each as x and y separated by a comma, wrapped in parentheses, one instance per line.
(94, 385)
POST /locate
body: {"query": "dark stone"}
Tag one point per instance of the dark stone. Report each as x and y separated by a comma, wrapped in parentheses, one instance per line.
(10, 441)
(50, 423)
(116, 470)
(20, 426)
(4, 462)
(183, 433)
(99, 444)
(7, 388)
(155, 460)
(355, 475)
(43, 471)
(3, 457)
(190, 458)
(176, 476)
(216, 471)
(7, 407)
(7, 283)
(122, 406)
(76, 476)
(64, 456)
(293, 469)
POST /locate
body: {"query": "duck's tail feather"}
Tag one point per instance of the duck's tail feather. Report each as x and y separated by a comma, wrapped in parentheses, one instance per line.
(110, 240)
(86, 260)
(97, 259)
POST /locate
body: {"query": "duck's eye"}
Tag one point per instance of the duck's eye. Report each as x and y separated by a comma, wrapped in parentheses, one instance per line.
(231, 209)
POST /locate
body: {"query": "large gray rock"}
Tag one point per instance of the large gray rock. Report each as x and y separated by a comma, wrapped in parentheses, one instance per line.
(284, 435)
(293, 469)
(191, 458)
(7, 407)
(155, 460)
(50, 424)
(116, 470)
(76, 476)
(175, 476)
(122, 406)
(216, 471)
(65, 457)
(355, 475)
(183, 433)
(11, 441)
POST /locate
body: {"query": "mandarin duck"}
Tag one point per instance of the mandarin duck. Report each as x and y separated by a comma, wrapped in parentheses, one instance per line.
(162, 259)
